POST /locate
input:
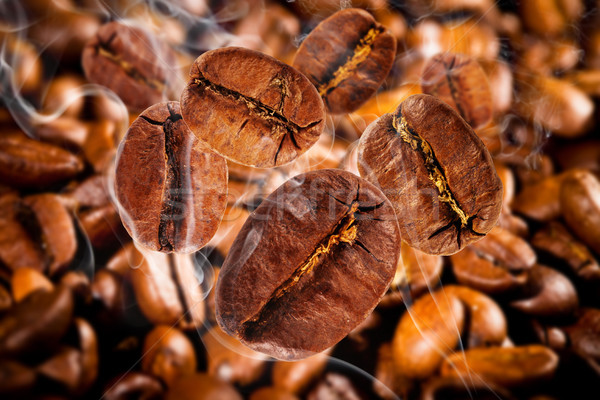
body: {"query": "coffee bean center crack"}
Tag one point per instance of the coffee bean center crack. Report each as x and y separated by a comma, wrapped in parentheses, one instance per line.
(353, 60)
(176, 176)
(453, 90)
(345, 231)
(30, 223)
(436, 175)
(274, 116)
(104, 50)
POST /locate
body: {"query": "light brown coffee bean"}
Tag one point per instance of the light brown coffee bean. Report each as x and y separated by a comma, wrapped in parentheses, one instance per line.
(426, 333)
(444, 199)
(486, 324)
(272, 393)
(556, 17)
(459, 81)
(296, 376)
(347, 57)
(27, 280)
(264, 117)
(168, 354)
(505, 366)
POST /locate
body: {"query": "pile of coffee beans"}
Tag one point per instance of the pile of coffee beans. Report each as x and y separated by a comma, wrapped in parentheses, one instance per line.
(261, 199)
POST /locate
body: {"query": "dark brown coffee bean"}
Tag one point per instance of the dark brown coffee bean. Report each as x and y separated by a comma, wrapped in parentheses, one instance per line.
(486, 324)
(168, 354)
(264, 117)
(168, 289)
(459, 81)
(230, 361)
(171, 188)
(444, 199)
(347, 57)
(28, 163)
(134, 385)
(496, 264)
(310, 263)
(297, 376)
(272, 393)
(556, 240)
(580, 205)
(16, 379)
(548, 294)
(87, 344)
(504, 366)
(201, 387)
(36, 232)
(102, 225)
(334, 386)
(36, 323)
(426, 333)
(584, 337)
(5, 300)
(130, 61)
(389, 384)
(63, 368)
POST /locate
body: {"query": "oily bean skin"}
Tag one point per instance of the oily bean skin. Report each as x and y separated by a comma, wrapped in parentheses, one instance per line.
(29, 163)
(580, 205)
(445, 199)
(131, 62)
(347, 57)
(171, 188)
(310, 263)
(201, 387)
(459, 81)
(252, 108)
(505, 366)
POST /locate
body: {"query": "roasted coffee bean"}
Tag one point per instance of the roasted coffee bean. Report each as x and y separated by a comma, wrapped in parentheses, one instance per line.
(172, 189)
(63, 368)
(427, 333)
(230, 361)
(87, 344)
(37, 323)
(201, 387)
(555, 104)
(556, 240)
(505, 366)
(453, 388)
(389, 384)
(134, 385)
(459, 81)
(337, 244)
(264, 117)
(65, 92)
(548, 294)
(63, 131)
(272, 393)
(16, 379)
(334, 386)
(297, 376)
(580, 206)
(168, 289)
(584, 337)
(496, 264)
(500, 78)
(5, 300)
(168, 354)
(28, 163)
(444, 199)
(27, 280)
(130, 61)
(557, 15)
(486, 324)
(36, 232)
(347, 57)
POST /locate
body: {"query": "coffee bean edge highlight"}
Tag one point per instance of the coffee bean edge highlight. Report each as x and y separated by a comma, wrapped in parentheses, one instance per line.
(311, 263)
(436, 172)
(251, 108)
(171, 189)
(347, 75)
